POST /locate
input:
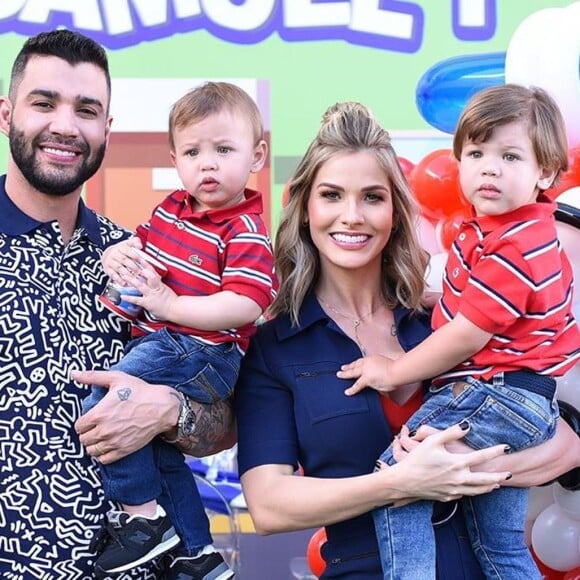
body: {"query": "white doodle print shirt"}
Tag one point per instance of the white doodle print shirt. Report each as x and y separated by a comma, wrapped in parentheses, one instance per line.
(50, 323)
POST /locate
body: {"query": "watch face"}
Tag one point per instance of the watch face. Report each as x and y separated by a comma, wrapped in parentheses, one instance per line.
(189, 423)
(186, 420)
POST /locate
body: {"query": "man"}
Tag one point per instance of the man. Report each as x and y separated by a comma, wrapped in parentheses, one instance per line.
(56, 117)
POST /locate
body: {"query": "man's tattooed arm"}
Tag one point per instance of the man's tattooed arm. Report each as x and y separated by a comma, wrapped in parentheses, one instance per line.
(215, 429)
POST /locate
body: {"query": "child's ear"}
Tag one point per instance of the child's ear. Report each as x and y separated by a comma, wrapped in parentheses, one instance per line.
(546, 179)
(260, 155)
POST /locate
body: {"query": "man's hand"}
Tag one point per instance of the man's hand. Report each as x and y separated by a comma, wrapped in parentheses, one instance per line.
(370, 371)
(129, 416)
(134, 412)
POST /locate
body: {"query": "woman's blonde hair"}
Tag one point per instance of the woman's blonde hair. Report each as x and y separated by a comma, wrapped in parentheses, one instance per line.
(348, 127)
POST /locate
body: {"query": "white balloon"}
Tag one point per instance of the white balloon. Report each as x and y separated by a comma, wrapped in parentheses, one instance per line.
(539, 499)
(543, 39)
(556, 539)
(435, 271)
(568, 501)
(568, 387)
(571, 197)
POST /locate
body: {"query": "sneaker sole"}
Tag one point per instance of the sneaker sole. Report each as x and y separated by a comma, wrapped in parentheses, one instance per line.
(157, 551)
(221, 574)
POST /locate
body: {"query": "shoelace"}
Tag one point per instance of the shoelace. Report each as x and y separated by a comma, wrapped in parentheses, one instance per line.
(104, 535)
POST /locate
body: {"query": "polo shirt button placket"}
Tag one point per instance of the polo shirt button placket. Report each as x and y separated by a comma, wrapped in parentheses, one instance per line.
(179, 225)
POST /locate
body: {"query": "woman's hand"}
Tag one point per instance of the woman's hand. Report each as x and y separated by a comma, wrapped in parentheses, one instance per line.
(429, 470)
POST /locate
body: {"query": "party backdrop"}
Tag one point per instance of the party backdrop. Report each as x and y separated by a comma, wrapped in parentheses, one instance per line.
(299, 55)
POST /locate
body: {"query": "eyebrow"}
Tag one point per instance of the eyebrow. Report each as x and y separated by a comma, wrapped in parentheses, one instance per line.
(54, 95)
(366, 188)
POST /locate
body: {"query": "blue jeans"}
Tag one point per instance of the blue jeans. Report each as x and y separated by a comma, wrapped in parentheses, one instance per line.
(497, 413)
(206, 374)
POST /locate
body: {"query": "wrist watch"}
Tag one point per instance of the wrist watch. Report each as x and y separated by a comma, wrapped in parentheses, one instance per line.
(186, 421)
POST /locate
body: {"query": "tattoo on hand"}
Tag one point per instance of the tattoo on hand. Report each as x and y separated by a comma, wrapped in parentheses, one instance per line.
(124, 394)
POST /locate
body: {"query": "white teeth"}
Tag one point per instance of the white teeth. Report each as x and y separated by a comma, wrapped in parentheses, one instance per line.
(59, 152)
(349, 239)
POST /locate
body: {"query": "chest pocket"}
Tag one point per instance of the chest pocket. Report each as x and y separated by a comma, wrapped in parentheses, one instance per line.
(321, 393)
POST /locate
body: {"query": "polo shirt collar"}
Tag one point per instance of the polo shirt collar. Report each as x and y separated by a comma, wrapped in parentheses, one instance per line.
(252, 204)
(542, 208)
(15, 222)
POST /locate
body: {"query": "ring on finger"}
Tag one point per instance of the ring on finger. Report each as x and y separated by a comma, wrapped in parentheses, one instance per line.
(98, 450)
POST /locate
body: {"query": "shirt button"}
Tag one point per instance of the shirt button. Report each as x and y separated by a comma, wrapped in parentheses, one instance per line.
(455, 272)
(461, 237)
(179, 225)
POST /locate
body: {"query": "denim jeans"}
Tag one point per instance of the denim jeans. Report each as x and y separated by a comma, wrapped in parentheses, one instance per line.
(206, 373)
(498, 414)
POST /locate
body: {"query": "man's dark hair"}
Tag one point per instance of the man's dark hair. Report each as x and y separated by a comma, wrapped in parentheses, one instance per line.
(70, 46)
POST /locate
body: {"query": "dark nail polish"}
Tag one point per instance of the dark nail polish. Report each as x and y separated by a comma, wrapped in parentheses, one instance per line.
(507, 449)
(464, 425)
(509, 476)
(413, 433)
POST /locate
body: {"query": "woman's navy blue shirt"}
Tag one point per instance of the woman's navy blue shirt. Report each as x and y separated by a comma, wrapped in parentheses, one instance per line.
(291, 409)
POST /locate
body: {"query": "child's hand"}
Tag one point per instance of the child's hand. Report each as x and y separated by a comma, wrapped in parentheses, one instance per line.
(371, 371)
(121, 257)
(156, 297)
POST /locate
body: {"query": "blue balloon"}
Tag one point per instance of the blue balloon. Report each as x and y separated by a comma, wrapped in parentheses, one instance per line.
(443, 91)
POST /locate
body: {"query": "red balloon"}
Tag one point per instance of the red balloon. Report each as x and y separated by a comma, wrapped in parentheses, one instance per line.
(448, 228)
(406, 166)
(547, 573)
(435, 183)
(572, 574)
(313, 556)
(570, 178)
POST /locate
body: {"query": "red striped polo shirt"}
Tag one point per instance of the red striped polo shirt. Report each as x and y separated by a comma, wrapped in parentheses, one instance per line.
(208, 252)
(509, 275)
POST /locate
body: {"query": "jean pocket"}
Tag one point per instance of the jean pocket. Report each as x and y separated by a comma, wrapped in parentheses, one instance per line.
(211, 385)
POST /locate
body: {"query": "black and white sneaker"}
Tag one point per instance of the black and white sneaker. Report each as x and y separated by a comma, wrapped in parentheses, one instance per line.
(206, 567)
(126, 541)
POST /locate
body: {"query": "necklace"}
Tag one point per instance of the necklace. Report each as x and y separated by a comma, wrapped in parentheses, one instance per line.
(356, 322)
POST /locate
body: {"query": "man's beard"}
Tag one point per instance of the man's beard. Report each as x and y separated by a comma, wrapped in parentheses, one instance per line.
(53, 181)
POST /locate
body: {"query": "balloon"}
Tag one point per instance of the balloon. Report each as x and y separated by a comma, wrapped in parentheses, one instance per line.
(567, 387)
(572, 574)
(434, 181)
(569, 179)
(448, 227)
(568, 501)
(406, 166)
(313, 555)
(547, 573)
(546, 37)
(435, 271)
(444, 89)
(556, 539)
(427, 236)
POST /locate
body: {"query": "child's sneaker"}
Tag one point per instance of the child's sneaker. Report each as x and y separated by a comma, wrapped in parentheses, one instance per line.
(127, 541)
(207, 567)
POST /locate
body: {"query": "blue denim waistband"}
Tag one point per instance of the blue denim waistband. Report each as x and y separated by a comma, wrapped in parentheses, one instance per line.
(528, 380)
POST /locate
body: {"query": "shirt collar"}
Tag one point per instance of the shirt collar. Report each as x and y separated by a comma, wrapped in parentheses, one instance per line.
(412, 327)
(251, 204)
(15, 222)
(542, 208)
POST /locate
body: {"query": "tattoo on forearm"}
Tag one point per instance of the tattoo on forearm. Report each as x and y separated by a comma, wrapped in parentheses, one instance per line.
(213, 430)
(124, 393)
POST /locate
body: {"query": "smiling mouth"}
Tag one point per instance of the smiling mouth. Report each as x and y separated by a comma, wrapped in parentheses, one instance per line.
(350, 238)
